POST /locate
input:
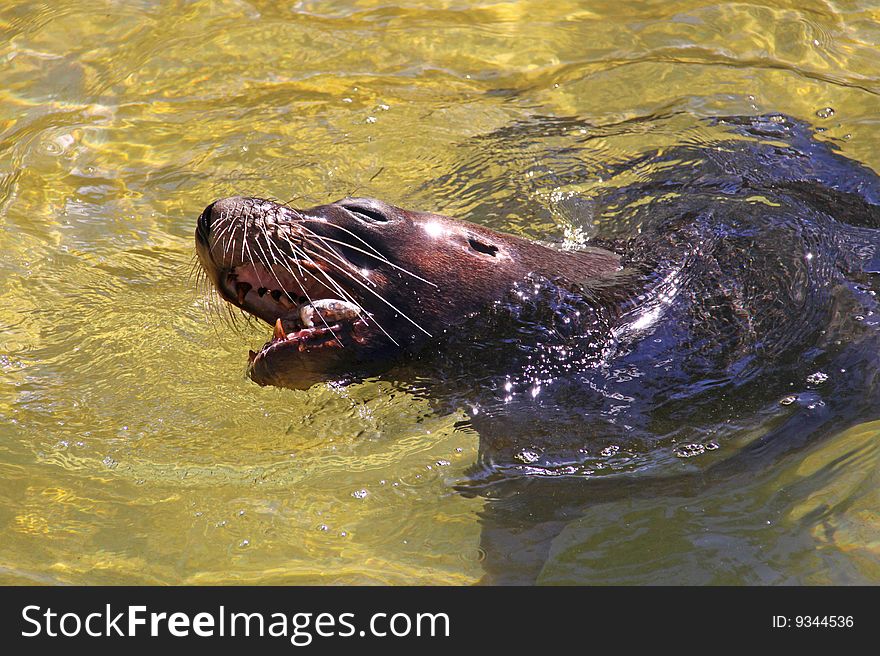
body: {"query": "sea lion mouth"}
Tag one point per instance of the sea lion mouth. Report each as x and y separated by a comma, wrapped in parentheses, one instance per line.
(308, 317)
(307, 275)
(327, 323)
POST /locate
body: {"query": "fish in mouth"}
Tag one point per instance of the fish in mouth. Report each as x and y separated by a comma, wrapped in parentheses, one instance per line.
(351, 286)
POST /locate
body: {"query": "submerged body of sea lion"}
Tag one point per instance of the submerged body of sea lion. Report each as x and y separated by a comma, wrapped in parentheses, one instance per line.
(741, 297)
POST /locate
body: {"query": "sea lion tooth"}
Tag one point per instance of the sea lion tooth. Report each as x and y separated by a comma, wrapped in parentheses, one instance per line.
(279, 330)
(241, 290)
(285, 301)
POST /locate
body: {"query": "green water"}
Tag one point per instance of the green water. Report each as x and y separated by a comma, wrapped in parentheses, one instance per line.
(132, 447)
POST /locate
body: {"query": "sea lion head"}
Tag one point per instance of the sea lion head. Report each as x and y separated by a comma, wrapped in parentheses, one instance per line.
(352, 284)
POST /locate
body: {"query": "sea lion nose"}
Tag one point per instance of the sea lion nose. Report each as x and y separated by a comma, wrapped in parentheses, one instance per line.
(203, 226)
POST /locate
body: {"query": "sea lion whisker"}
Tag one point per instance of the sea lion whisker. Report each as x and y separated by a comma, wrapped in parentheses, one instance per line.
(227, 227)
(390, 304)
(339, 257)
(231, 317)
(366, 315)
(220, 235)
(345, 294)
(375, 254)
(233, 218)
(302, 287)
(301, 252)
(244, 239)
(296, 279)
(210, 306)
(281, 261)
(228, 240)
(305, 219)
(194, 271)
(348, 296)
(381, 259)
(335, 285)
(379, 296)
(225, 313)
(265, 259)
(266, 262)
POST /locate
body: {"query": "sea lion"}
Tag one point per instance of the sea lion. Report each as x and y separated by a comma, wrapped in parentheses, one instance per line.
(726, 308)
(358, 283)
(747, 266)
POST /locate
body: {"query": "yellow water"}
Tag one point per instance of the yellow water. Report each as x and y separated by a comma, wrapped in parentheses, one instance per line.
(132, 447)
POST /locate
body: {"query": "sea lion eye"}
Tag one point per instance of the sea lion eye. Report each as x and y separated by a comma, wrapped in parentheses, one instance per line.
(367, 214)
(482, 247)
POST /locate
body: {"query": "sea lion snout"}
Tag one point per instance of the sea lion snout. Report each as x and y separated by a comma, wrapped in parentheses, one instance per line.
(203, 225)
(216, 211)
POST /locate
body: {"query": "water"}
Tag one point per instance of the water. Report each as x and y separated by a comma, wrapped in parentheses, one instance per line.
(132, 447)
